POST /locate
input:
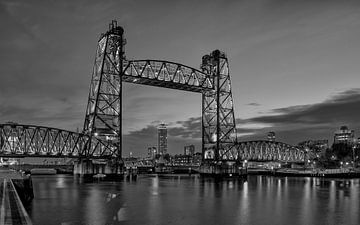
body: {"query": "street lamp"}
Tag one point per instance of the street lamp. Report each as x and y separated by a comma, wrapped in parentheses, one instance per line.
(305, 156)
(353, 153)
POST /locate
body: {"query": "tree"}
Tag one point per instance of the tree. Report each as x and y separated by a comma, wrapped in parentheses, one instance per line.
(328, 159)
(167, 157)
(157, 156)
(342, 151)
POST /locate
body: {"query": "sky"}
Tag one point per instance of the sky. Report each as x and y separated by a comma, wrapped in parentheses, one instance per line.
(294, 65)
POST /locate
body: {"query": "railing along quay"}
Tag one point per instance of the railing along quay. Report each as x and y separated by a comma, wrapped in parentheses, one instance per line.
(12, 211)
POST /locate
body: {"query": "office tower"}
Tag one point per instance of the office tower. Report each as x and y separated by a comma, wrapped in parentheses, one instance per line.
(162, 139)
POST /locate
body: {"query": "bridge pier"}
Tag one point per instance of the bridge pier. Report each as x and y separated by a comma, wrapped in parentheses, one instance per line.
(108, 169)
(223, 169)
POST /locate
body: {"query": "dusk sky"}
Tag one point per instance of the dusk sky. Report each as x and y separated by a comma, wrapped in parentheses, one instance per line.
(294, 65)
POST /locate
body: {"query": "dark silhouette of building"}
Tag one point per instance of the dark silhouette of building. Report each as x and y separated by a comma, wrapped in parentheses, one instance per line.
(314, 147)
(152, 152)
(189, 150)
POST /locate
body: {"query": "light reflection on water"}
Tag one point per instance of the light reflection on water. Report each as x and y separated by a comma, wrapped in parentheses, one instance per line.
(176, 200)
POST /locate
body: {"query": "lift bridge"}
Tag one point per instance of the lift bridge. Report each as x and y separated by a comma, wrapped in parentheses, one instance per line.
(101, 137)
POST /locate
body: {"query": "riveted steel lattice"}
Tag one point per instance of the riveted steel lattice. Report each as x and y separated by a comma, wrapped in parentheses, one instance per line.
(17, 140)
(269, 151)
(103, 114)
(166, 74)
(218, 121)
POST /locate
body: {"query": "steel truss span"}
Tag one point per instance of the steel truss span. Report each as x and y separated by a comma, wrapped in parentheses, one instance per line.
(269, 151)
(17, 140)
(167, 74)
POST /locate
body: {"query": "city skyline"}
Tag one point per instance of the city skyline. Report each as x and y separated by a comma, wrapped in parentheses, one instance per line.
(294, 67)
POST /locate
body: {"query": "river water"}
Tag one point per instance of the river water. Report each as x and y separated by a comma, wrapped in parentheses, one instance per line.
(192, 200)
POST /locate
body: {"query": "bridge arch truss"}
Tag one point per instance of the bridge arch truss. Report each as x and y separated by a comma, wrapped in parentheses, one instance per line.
(269, 151)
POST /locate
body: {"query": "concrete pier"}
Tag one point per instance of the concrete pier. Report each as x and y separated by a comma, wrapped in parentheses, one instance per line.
(222, 169)
(88, 168)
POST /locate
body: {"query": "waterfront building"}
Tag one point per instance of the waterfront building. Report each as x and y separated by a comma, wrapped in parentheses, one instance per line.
(271, 136)
(315, 147)
(344, 135)
(152, 152)
(189, 150)
(318, 145)
(162, 139)
(194, 159)
(197, 158)
(180, 160)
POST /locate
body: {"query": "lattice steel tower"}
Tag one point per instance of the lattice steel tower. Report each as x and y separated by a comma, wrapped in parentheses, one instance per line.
(103, 113)
(218, 121)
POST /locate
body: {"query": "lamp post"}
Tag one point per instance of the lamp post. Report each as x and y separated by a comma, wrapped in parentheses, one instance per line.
(305, 156)
(353, 153)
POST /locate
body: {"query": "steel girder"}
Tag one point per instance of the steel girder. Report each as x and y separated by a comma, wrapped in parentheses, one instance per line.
(218, 120)
(18, 140)
(269, 151)
(166, 74)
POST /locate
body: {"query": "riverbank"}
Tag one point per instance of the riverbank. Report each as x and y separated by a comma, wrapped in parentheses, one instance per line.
(22, 183)
(16, 190)
(330, 173)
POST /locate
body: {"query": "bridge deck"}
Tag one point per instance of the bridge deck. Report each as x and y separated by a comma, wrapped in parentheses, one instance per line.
(12, 210)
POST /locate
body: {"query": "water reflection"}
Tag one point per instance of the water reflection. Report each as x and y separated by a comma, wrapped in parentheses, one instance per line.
(194, 200)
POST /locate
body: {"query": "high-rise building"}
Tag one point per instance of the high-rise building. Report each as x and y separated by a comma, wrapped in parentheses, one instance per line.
(271, 136)
(152, 152)
(189, 150)
(162, 139)
(344, 135)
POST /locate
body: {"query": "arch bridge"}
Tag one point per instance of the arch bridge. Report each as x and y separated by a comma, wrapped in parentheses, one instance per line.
(102, 131)
(262, 150)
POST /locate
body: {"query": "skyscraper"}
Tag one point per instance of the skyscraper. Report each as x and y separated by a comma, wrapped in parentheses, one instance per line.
(162, 139)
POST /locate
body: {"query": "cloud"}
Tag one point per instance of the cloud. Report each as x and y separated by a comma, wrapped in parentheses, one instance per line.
(190, 128)
(180, 134)
(61, 113)
(292, 124)
(295, 123)
(253, 104)
(341, 108)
